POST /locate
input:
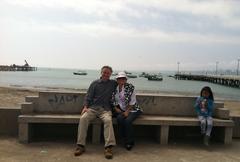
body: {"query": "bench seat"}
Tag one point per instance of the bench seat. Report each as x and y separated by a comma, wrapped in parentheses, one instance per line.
(163, 121)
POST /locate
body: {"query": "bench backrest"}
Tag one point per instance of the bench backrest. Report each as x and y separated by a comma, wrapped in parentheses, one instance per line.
(60, 103)
(71, 103)
(169, 105)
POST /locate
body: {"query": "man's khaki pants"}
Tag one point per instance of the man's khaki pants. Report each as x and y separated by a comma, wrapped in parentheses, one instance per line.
(87, 117)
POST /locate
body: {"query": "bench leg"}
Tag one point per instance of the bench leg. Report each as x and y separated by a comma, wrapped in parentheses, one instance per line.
(23, 132)
(96, 133)
(164, 129)
(228, 132)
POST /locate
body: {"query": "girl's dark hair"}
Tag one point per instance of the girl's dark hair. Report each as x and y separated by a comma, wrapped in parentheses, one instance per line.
(208, 89)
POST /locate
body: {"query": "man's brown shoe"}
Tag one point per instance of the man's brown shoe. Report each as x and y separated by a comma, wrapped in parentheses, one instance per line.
(108, 153)
(79, 151)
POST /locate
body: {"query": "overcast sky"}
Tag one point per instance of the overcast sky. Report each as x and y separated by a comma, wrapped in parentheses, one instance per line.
(131, 34)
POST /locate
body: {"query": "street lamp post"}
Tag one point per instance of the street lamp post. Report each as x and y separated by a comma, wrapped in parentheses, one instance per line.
(238, 67)
(178, 67)
(217, 67)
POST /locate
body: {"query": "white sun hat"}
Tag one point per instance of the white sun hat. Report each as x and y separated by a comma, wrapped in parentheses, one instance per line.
(121, 75)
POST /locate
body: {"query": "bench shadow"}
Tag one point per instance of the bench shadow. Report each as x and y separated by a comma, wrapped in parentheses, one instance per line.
(68, 133)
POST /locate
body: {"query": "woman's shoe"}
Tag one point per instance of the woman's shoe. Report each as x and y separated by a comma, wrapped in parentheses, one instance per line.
(128, 147)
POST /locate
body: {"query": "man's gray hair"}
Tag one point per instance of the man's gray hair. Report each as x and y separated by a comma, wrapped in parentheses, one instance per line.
(108, 67)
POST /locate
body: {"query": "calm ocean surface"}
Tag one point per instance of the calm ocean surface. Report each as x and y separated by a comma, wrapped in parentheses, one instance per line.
(63, 78)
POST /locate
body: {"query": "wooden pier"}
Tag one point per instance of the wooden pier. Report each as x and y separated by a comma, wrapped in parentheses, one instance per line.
(14, 67)
(226, 80)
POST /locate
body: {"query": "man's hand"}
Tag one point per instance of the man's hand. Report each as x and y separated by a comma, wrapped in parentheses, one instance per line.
(85, 109)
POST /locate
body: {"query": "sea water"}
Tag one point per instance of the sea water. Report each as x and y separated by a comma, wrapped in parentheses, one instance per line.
(53, 78)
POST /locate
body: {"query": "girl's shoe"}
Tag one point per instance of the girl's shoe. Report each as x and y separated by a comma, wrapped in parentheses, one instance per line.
(206, 140)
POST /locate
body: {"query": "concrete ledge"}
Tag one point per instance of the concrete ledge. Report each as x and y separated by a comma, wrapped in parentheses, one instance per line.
(31, 98)
(162, 112)
(8, 120)
(162, 121)
(142, 120)
(236, 128)
(27, 108)
(218, 104)
(222, 113)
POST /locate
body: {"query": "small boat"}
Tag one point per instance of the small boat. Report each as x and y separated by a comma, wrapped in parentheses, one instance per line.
(80, 73)
(131, 76)
(155, 77)
(143, 74)
(127, 72)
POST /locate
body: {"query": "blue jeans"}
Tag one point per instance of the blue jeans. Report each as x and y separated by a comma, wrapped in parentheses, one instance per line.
(125, 126)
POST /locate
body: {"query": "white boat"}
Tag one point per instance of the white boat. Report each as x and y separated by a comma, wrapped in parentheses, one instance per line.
(131, 76)
(127, 72)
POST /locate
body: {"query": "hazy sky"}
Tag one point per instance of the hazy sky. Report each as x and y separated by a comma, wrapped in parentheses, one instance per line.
(131, 34)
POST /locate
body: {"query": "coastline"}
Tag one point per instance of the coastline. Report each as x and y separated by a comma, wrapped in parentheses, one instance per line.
(13, 96)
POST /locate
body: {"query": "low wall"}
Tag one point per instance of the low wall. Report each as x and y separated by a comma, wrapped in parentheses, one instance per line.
(9, 120)
(236, 128)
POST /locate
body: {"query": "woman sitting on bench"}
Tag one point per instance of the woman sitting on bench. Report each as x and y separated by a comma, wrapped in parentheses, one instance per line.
(126, 109)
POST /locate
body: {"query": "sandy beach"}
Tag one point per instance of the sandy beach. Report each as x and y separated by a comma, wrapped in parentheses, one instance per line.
(13, 97)
(145, 151)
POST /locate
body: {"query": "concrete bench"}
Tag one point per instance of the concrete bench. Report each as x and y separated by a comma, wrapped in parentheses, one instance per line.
(160, 111)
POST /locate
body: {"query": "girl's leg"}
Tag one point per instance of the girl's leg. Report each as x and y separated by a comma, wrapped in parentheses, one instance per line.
(209, 126)
(202, 124)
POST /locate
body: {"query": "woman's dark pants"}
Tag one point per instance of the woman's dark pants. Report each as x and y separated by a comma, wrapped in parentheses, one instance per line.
(125, 126)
